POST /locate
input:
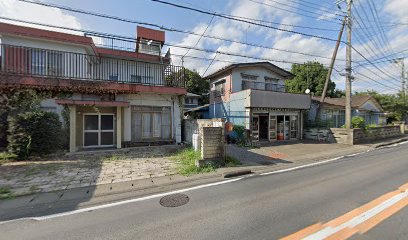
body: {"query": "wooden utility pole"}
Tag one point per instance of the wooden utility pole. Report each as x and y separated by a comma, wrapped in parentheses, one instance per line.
(348, 66)
(333, 60)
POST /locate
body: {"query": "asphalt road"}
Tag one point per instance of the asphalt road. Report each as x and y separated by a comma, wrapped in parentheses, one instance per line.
(258, 207)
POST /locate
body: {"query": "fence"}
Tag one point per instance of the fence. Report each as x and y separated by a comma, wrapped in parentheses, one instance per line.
(59, 64)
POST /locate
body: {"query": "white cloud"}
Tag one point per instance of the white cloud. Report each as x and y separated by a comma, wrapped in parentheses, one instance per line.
(397, 8)
(36, 13)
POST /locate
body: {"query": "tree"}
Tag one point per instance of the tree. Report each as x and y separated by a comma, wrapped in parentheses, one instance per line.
(311, 75)
(15, 101)
(197, 85)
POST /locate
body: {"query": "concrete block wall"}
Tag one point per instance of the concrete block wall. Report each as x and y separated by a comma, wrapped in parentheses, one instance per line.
(354, 136)
(212, 144)
(194, 126)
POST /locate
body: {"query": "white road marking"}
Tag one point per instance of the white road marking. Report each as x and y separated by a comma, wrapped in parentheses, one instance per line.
(123, 202)
(328, 231)
(302, 166)
(178, 191)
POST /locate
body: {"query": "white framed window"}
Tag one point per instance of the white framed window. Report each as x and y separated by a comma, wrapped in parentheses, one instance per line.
(99, 129)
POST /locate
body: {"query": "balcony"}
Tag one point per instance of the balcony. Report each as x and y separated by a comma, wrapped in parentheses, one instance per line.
(263, 86)
(36, 62)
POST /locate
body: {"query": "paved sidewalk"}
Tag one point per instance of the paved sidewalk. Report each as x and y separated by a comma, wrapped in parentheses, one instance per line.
(85, 169)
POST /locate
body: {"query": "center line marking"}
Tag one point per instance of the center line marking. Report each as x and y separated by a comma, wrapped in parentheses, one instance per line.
(359, 220)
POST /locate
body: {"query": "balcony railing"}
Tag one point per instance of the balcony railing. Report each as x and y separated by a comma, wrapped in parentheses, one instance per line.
(263, 86)
(70, 65)
(153, 48)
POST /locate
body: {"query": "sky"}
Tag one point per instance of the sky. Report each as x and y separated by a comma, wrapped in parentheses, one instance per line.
(380, 32)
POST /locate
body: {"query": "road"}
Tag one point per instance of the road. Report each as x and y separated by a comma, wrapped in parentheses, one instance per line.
(258, 207)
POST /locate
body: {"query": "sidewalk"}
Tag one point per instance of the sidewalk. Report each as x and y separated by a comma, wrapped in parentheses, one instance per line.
(264, 159)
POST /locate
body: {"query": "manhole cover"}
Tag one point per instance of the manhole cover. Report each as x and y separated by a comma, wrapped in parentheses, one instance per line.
(174, 200)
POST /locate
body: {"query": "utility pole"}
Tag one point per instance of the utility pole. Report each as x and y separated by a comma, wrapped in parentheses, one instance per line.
(348, 66)
(333, 60)
(401, 60)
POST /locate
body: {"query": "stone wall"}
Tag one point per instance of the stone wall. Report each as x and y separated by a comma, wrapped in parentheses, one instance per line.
(212, 144)
(353, 136)
(368, 135)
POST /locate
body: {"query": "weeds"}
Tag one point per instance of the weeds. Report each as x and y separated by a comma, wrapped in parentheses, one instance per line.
(5, 193)
(186, 160)
(232, 162)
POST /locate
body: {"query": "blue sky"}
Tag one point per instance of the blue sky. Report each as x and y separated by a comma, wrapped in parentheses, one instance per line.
(312, 13)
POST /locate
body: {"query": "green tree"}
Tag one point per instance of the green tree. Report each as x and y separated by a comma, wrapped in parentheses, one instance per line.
(310, 75)
(15, 101)
(196, 84)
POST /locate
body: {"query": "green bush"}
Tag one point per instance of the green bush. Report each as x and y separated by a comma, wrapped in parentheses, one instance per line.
(357, 122)
(369, 126)
(239, 135)
(37, 133)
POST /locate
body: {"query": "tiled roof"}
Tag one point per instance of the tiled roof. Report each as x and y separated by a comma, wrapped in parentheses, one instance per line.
(356, 100)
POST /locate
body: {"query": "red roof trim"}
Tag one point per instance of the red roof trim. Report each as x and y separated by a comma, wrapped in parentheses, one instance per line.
(77, 39)
(92, 103)
(45, 34)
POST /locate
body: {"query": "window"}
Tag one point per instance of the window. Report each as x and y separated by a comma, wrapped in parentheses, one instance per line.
(54, 63)
(114, 77)
(98, 130)
(151, 122)
(45, 62)
(38, 61)
(135, 78)
(149, 47)
(219, 88)
(272, 84)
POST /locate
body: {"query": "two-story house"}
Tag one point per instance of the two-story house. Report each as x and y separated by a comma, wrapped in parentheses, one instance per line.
(253, 95)
(118, 92)
(191, 101)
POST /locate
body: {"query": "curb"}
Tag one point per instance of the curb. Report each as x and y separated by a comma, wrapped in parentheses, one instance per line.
(391, 143)
(236, 173)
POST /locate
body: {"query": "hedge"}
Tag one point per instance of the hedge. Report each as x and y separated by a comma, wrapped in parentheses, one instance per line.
(34, 133)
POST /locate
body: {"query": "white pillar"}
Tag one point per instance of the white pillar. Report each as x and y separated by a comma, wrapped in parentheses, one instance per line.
(72, 128)
(118, 127)
(127, 127)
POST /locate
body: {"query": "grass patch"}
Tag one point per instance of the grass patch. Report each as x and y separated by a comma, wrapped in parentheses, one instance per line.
(6, 157)
(112, 158)
(5, 193)
(232, 162)
(186, 162)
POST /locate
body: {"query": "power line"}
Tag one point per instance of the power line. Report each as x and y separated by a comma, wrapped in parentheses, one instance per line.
(209, 65)
(195, 45)
(134, 40)
(359, 53)
(309, 5)
(170, 29)
(380, 83)
(244, 21)
(157, 25)
(291, 11)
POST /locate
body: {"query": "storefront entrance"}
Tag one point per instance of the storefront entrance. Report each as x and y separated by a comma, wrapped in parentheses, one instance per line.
(272, 127)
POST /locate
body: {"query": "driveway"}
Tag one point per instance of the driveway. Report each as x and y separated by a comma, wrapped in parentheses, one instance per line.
(286, 152)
